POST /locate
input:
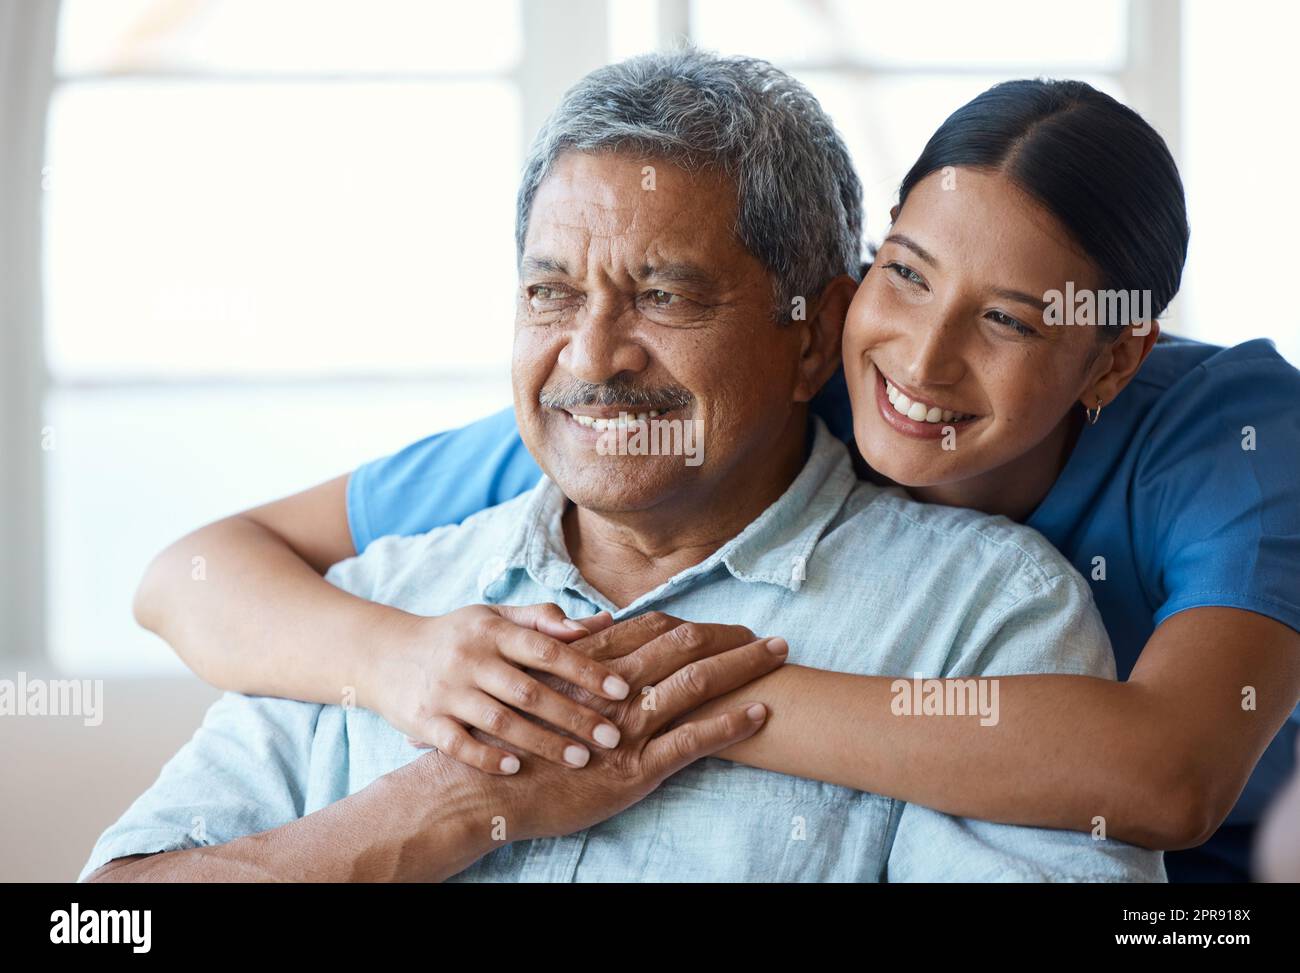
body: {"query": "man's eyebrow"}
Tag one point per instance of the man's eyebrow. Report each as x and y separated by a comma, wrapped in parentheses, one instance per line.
(544, 265)
(1022, 297)
(916, 248)
(677, 273)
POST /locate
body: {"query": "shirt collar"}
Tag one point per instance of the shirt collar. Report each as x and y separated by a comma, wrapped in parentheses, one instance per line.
(775, 548)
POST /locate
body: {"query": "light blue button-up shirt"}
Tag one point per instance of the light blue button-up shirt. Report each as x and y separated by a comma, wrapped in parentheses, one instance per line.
(856, 578)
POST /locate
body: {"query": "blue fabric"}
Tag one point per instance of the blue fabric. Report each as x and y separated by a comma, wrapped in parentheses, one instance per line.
(1160, 488)
(831, 560)
(1185, 517)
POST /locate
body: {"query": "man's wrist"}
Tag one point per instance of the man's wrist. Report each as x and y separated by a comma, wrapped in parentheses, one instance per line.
(460, 815)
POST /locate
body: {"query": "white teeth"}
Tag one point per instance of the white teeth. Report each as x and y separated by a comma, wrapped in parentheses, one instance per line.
(623, 419)
(918, 411)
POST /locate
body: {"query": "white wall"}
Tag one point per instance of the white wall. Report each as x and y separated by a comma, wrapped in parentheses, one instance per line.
(62, 782)
(1240, 143)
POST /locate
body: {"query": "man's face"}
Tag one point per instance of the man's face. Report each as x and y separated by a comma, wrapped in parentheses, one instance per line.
(636, 298)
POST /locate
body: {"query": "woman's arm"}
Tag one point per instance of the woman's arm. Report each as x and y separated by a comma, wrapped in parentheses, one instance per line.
(256, 616)
(1162, 757)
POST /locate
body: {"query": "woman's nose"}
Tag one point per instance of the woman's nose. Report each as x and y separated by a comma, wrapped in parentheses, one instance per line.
(936, 357)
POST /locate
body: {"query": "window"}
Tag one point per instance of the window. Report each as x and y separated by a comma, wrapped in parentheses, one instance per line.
(278, 237)
(278, 243)
(889, 75)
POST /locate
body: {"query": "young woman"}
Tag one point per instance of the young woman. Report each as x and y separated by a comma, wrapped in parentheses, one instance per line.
(1167, 472)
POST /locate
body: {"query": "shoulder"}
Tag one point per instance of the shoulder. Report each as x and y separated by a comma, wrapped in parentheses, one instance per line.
(994, 595)
(1180, 372)
(958, 550)
(993, 542)
(439, 480)
(1231, 412)
(391, 565)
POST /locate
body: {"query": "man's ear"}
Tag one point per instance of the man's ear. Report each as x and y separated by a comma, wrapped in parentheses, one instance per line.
(819, 345)
(1118, 362)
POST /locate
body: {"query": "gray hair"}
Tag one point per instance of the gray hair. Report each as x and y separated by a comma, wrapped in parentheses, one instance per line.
(799, 200)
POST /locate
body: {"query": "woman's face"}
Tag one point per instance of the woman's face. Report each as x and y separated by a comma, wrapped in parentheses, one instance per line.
(951, 316)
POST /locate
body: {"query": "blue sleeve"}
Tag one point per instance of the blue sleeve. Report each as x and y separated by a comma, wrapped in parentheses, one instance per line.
(1216, 504)
(440, 480)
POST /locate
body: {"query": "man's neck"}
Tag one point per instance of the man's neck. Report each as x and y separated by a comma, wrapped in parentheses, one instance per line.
(624, 555)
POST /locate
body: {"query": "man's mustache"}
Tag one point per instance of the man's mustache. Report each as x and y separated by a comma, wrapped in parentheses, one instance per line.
(574, 393)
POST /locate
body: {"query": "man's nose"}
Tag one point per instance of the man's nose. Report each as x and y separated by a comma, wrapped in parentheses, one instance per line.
(602, 345)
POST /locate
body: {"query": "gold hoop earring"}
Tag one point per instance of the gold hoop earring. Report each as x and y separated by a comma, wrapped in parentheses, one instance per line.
(1095, 413)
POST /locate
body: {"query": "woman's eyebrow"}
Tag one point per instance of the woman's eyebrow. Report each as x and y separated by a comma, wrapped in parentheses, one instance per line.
(916, 248)
(1022, 297)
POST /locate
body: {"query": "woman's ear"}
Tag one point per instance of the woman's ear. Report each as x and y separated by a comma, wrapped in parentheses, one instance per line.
(822, 330)
(1118, 362)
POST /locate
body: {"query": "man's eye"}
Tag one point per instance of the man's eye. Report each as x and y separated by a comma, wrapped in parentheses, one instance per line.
(543, 293)
(662, 298)
(906, 273)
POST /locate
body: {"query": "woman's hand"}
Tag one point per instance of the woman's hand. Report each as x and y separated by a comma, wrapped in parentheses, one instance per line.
(442, 676)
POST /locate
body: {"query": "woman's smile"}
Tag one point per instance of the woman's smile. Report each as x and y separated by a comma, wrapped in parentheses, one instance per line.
(913, 415)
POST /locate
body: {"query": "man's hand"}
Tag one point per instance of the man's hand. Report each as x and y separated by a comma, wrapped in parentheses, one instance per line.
(675, 667)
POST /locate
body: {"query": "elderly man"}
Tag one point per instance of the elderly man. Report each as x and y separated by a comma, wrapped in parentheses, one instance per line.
(688, 229)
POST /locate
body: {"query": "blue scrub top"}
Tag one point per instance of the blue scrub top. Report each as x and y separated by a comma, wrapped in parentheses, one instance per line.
(1186, 493)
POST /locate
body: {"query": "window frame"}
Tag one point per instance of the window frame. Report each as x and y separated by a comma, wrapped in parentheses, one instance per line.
(561, 42)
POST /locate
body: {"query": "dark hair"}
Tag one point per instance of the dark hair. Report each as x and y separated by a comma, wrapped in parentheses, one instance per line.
(1093, 163)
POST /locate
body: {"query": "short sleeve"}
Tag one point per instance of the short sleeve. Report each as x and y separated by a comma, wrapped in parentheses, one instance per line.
(244, 772)
(440, 480)
(1216, 492)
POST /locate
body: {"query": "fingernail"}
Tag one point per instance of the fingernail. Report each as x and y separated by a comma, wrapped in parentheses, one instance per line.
(615, 688)
(576, 756)
(573, 626)
(606, 735)
(777, 646)
(510, 765)
(756, 712)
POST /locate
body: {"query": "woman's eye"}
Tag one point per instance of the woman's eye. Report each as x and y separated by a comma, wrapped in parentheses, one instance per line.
(907, 274)
(1008, 321)
(661, 298)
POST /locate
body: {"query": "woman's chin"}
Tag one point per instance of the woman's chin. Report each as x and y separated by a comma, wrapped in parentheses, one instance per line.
(893, 463)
